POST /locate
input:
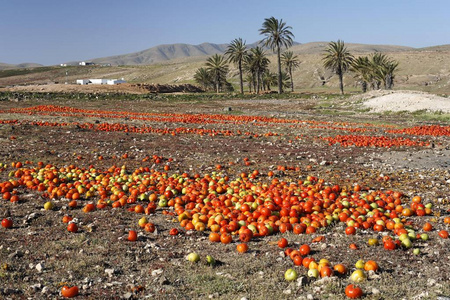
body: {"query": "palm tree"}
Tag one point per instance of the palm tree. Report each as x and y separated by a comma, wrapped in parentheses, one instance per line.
(236, 53)
(387, 71)
(362, 67)
(216, 65)
(338, 59)
(256, 63)
(277, 35)
(290, 62)
(249, 80)
(269, 79)
(203, 77)
(377, 60)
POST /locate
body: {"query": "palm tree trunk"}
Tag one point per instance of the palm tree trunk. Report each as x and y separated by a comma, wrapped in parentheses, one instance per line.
(258, 83)
(292, 80)
(364, 86)
(240, 77)
(388, 81)
(280, 87)
(341, 81)
(217, 85)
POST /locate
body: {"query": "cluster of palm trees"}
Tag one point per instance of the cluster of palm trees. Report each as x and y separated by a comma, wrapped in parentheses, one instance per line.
(253, 62)
(371, 71)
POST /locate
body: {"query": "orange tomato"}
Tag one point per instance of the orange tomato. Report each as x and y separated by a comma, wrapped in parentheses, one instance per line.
(242, 248)
(371, 265)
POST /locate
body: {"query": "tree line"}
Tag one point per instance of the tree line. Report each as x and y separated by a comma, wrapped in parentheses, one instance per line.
(373, 71)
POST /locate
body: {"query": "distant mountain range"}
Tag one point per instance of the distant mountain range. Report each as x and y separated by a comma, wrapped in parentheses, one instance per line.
(163, 53)
(4, 66)
(168, 52)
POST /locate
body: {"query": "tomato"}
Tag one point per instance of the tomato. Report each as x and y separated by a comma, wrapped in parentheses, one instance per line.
(149, 227)
(389, 245)
(7, 223)
(350, 230)
(242, 248)
(88, 207)
(245, 237)
(340, 269)
(173, 231)
(67, 219)
(427, 227)
(69, 292)
(225, 238)
(214, 237)
(298, 260)
(132, 236)
(72, 227)
(443, 234)
(352, 291)
(326, 271)
(283, 243)
(305, 249)
(371, 266)
(353, 247)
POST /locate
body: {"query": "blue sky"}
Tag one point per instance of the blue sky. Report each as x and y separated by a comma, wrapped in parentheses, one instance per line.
(52, 32)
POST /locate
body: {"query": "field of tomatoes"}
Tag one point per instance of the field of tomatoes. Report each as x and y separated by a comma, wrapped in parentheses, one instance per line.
(107, 198)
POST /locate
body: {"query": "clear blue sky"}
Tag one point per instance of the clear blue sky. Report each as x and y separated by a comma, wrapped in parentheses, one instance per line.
(52, 32)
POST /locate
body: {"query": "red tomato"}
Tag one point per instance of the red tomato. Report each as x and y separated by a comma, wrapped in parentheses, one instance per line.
(305, 250)
(72, 227)
(443, 234)
(132, 236)
(69, 292)
(389, 245)
(173, 231)
(353, 291)
(7, 223)
(282, 243)
(350, 230)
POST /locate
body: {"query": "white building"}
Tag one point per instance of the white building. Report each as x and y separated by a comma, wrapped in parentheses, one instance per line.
(100, 81)
(115, 81)
(82, 81)
(85, 63)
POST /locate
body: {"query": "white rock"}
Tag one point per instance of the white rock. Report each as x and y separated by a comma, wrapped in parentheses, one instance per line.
(39, 267)
(110, 272)
(287, 292)
(157, 272)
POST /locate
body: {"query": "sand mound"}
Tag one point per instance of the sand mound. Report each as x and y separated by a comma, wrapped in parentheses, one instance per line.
(381, 101)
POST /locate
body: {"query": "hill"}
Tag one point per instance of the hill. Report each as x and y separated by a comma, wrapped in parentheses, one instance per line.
(179, 51)
(5, 66)
(425, 69)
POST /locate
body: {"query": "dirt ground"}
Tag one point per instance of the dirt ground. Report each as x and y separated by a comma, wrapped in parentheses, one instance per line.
(38, 255)
(74, 88)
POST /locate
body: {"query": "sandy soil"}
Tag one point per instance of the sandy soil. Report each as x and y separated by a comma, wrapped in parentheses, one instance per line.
(406, 101)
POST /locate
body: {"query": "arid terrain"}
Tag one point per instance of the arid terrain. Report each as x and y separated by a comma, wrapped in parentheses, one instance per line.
(307, 141)
(422, 69)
